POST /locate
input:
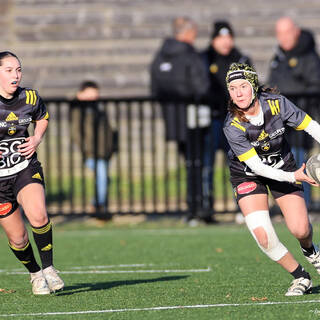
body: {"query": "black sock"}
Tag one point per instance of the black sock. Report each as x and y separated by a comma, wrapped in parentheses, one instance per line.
(300, 272)
(43, 239)
(26, 256)
(308, 251)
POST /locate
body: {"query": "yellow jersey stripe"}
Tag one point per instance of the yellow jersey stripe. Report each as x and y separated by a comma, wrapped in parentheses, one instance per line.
(34, 97)
(237, 125)
(27, 97)
(307, 119)
(274, 106)
(247, 155)
(46, 117)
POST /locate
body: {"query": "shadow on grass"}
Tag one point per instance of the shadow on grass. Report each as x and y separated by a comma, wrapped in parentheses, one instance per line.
(315, 290)
(83, 287)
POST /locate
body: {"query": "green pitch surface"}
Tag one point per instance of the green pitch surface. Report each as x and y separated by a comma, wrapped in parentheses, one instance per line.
(159, 271)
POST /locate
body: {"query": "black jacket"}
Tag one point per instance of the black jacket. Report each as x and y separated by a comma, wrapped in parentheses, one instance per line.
(217, 67)
(177, 74)
(297, 70)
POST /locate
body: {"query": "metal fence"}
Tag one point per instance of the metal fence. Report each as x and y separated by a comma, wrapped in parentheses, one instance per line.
(146, 172)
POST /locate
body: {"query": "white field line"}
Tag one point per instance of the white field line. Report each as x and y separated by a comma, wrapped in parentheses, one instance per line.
(113, 266)
(92, 267)
(219, 305)
(208, 269)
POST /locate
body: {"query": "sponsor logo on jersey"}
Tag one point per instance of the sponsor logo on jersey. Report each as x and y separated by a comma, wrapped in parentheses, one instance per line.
(3, 124)
(265, 146)
(246, 187)
(37, 176)
(5, 208)
(263, 135)
(11, 156)
(278, 132)
(12, 130)
(11, 117)
(25, 121)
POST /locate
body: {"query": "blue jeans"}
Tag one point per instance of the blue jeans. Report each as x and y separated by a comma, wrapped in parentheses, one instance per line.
(101, 180)
(300, 155)
(213, 141)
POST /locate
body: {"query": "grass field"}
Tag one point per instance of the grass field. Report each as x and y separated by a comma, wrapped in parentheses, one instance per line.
(159, 270)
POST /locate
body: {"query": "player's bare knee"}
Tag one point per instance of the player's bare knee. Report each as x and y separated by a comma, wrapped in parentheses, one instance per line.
(261, 237)
(38, 220)
(301, 232)
(19, 242)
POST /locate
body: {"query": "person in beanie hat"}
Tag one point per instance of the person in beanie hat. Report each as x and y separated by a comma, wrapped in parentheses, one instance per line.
(222, 28)
(217, 58)
(260, 161)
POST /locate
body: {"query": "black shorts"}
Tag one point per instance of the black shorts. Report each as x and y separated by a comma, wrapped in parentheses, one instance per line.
(245, 185)
(9, 188)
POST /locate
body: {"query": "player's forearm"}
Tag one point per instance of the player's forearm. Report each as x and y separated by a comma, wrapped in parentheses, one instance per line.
(40, 128)
(314, 130)
(261, 169)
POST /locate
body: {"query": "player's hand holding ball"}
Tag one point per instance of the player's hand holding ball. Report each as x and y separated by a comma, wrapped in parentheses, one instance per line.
(313, 168)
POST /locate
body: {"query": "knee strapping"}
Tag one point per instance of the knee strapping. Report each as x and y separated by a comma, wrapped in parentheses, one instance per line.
(274, 249)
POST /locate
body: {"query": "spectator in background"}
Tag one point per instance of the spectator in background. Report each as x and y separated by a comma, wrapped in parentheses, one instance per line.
(219, 55)
(93, 134)
(295, 69)
(178, 75)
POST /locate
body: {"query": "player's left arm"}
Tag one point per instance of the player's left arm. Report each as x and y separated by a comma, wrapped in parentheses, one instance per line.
(28, 148)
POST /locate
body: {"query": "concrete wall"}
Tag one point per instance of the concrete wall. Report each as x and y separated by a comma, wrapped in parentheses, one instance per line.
(62, 42)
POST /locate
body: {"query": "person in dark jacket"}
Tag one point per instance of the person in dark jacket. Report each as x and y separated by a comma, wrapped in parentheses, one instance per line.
(177, 76)
(219, 55)
(295, 69)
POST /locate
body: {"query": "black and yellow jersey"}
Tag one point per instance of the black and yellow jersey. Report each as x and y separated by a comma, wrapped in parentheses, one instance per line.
(266, 140)
(16, 114)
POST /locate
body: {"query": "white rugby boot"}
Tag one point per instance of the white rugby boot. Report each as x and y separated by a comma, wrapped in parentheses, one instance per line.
(314, 259)
(55, 283)
(300, 287)
(39, 283)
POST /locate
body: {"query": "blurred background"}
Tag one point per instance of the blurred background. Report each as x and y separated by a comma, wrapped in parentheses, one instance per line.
(62, 42)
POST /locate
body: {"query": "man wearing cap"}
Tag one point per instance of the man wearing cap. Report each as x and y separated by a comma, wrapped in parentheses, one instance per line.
(219, 55)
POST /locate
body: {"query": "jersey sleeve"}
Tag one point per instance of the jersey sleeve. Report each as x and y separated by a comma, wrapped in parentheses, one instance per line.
(293, 116)
(239, 144)
(39, 109)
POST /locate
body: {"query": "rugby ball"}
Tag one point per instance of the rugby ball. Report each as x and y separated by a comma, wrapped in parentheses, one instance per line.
(313, 167)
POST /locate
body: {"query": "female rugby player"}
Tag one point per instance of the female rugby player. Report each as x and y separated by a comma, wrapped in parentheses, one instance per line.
(21, 177)
(260, 157)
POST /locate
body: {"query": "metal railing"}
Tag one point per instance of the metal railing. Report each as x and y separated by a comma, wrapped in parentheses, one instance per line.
(147, 173)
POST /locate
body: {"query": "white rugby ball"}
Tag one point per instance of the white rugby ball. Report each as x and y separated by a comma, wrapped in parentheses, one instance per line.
(313, 167)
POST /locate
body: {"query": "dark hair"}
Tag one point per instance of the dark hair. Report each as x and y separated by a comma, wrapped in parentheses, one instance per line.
(236, 112)
(5, 54)
(88, 84)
